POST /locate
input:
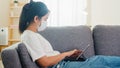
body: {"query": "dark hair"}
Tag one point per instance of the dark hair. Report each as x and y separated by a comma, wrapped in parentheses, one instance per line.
(29, 11)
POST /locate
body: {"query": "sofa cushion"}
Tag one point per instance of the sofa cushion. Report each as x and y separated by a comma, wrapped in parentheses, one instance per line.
(68, 38)
(107, 40)
(10, 57)
(25, 58)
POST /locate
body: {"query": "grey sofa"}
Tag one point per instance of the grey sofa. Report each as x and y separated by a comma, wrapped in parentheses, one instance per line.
(103, 40)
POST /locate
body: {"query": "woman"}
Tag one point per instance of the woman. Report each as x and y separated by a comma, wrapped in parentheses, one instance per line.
(33, 19)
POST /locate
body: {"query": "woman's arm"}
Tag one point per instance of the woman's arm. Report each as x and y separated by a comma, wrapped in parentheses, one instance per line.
(52, 60)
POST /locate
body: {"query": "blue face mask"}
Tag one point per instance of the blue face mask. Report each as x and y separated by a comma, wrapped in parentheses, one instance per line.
(42, 26)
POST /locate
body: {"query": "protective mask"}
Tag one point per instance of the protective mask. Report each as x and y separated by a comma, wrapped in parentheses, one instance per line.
(43, 26)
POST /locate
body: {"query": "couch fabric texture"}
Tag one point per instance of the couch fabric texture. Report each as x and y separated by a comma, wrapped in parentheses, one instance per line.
(107, 40)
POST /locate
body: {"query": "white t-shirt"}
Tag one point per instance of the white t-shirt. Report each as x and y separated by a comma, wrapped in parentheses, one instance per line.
(37, 45)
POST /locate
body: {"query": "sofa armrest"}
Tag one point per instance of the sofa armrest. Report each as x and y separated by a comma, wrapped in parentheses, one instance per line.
(10, 58)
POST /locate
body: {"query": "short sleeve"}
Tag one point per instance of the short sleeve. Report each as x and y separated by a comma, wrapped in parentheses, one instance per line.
(34, 46)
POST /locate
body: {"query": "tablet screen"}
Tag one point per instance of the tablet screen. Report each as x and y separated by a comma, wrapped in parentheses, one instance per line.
(83, 51)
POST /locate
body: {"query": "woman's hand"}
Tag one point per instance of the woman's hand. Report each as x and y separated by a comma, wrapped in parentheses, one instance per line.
(76, 54)
(73, 53)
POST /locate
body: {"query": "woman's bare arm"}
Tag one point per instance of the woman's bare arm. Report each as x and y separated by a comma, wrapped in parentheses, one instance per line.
(52, 60)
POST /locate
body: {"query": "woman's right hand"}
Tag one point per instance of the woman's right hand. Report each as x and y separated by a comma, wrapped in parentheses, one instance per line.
(70, 53)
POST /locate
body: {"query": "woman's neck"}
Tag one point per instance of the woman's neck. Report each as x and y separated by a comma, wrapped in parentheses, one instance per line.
(32, 28)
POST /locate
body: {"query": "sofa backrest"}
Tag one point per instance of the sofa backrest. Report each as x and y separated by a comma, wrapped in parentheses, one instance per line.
(67, 38)
(10, 57)
(107, 40)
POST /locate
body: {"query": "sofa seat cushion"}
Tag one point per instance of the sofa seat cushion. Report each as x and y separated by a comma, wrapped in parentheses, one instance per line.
(25, 58)
(107, 40)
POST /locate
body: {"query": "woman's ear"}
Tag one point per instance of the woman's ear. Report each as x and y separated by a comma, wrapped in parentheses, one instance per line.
(36, 19)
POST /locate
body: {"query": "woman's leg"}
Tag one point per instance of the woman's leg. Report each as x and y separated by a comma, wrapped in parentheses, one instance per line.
(74, 64)
(93, 62)
(112, 61)
(107, 61)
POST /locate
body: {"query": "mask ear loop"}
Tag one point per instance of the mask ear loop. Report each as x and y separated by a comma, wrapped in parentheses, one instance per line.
(40, 20)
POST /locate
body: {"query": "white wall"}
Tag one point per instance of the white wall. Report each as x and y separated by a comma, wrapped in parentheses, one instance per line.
(105, 12)
(99, 12)
(4, 13)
